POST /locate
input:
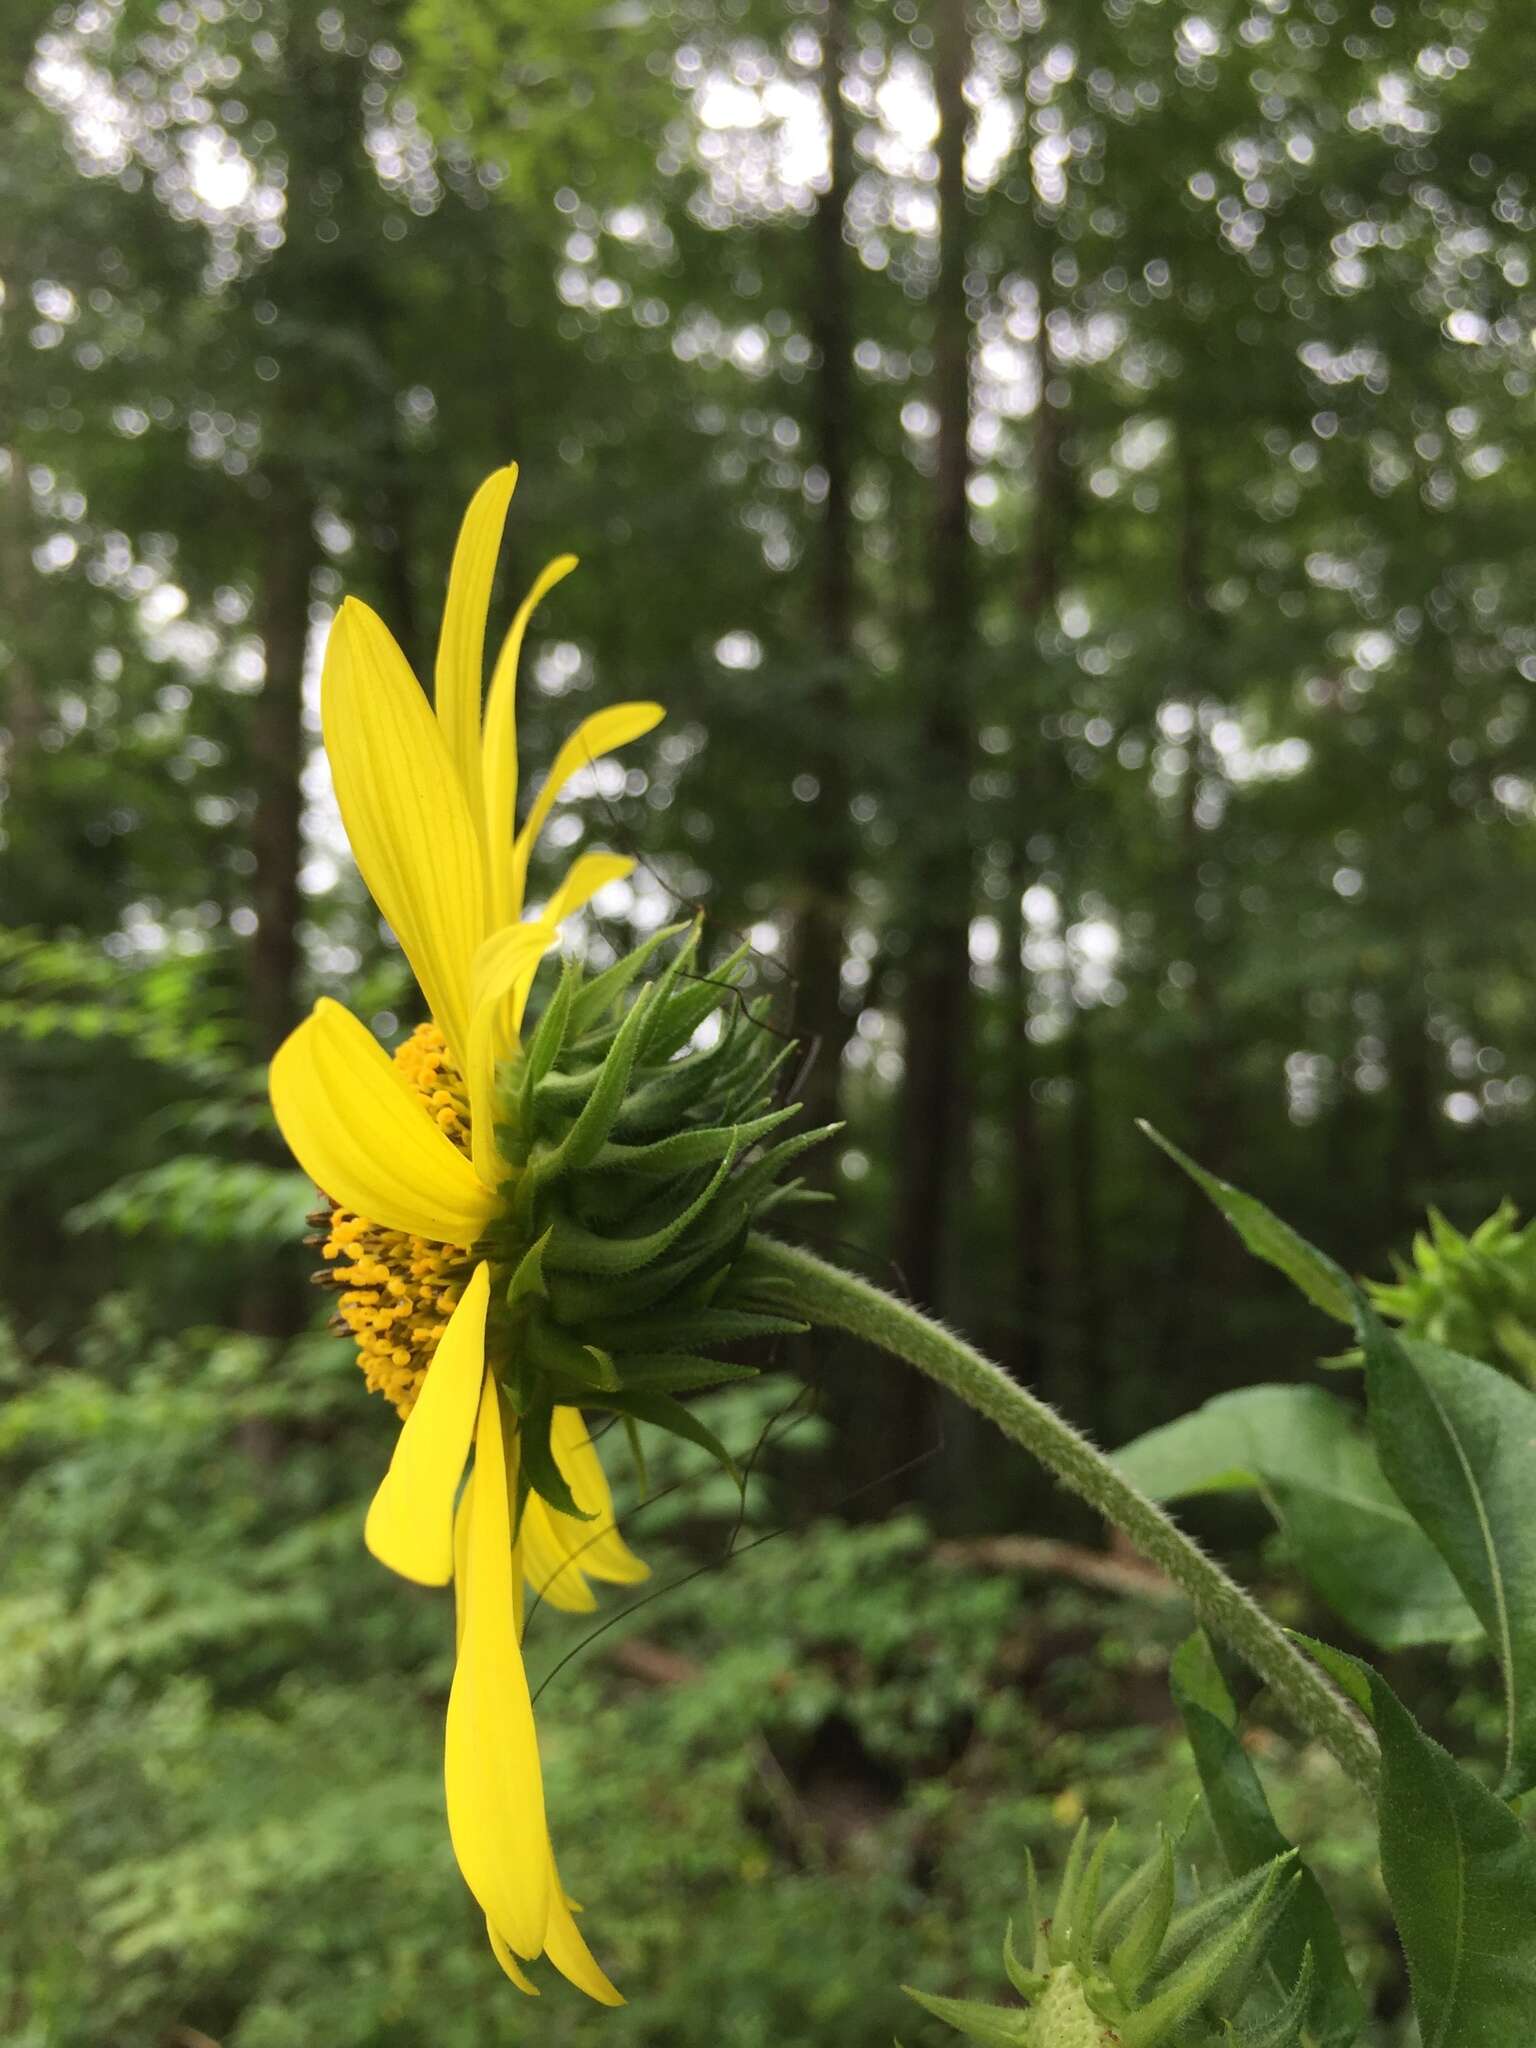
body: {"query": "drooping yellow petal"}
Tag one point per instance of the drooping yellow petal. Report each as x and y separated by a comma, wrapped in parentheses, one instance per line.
(499, 744)
(508, 1962)
(461, 1560)
(461, 643)
(584, 877)
(566, 1949)
(605, 1554)
(361, 1134)
(594, 737)
(491, 1755)
(560, 1552)
(410, 1524)
(405, 811)
(549, 1564)
(503, 969)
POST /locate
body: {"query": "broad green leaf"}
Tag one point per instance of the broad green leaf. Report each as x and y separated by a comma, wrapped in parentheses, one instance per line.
(1250, 1840)
(1457, 1439)
(1324, 1284)
(1352, 1537)
(1461, 1874)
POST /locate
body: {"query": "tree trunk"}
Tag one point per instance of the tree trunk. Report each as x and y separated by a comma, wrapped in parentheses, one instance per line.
(816, 953)
(277, 760)
(937, 998)
(272, 1306)
(1040, 801)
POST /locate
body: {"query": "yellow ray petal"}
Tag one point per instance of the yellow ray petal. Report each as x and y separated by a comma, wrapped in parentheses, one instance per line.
(360, 1134)
(566, 1949)
(504, 968)
(410, 1525)
(508, 1962)
(560, 1552)
(491, 1756)
(604, 1553)
(461, 1560)
(594, 737)
(405, 811)
(584, 877)
(461, 643)
(548, 1565)
(499, 745)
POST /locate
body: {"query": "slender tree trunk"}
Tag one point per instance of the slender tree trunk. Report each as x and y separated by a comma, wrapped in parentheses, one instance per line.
(937, 1005)
(21, 706)
(277, 760)
(1206, 1113)
(826, 878)
(1039, 800)
(272, 1307)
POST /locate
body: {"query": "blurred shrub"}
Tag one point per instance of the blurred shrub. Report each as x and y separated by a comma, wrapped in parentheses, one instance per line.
(780, 1785)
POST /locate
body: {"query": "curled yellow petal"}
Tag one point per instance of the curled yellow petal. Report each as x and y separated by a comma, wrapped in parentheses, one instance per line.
(509, 1963)
(566, 1949)
(560, 1552)
(491, 1756)
(360, 1133)
(584, 877)
(549, 1563)
(594, 737)
(502, 974)
(461, 643)
(405, 810)
(499, 744)
(410, 1524)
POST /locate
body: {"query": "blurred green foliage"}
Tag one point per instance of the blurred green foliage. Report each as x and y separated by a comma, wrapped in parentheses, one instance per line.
(1249, 302)
(781, 1787)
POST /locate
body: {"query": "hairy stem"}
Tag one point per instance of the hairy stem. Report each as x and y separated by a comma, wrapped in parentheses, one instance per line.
(828, 1295)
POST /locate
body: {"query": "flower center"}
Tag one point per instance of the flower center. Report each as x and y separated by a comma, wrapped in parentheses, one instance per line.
(397, 1292)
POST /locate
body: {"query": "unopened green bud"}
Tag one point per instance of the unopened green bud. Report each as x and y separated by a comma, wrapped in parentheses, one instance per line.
(1134, 1974)
(641, 1161)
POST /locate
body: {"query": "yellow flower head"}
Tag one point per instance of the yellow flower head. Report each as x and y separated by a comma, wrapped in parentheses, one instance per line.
(407, 1152)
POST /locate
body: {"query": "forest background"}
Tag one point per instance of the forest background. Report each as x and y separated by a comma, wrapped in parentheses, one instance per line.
(1062, 467)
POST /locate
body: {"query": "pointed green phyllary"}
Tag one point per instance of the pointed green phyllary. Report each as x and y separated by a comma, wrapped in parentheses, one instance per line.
(1134, 1974)
(642, 1159)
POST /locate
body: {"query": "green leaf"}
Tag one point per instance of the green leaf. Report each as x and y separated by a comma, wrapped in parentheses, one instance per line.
(604, 989)
(677, 1372)
(992, 2024)
(675, 1023)
(575, 1249)
(1250, 1840)
(1461, 1874)
(536, 1467)
(688, 1148)
(1352, 1538)
(1151, 1895)
(1234, 1933)
(1284, 2028)
(1458, 1441)
(550, 1033)
(670, 1415)
(679, 1329)
(587, 1136)
(1324, 1284)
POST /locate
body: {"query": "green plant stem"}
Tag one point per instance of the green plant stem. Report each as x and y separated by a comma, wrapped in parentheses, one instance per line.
(828, 1295)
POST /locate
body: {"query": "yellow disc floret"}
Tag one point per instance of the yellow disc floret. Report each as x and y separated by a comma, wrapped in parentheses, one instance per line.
(397, 1292)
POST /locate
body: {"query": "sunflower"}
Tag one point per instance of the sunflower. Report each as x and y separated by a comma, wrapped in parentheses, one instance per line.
(409, 1153)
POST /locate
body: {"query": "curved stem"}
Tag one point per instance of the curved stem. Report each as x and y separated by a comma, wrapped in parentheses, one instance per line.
(828, 1295)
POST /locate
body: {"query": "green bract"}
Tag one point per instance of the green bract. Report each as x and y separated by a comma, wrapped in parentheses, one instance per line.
(1474, 1294)
(643, 1158)
(1133, 1972)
